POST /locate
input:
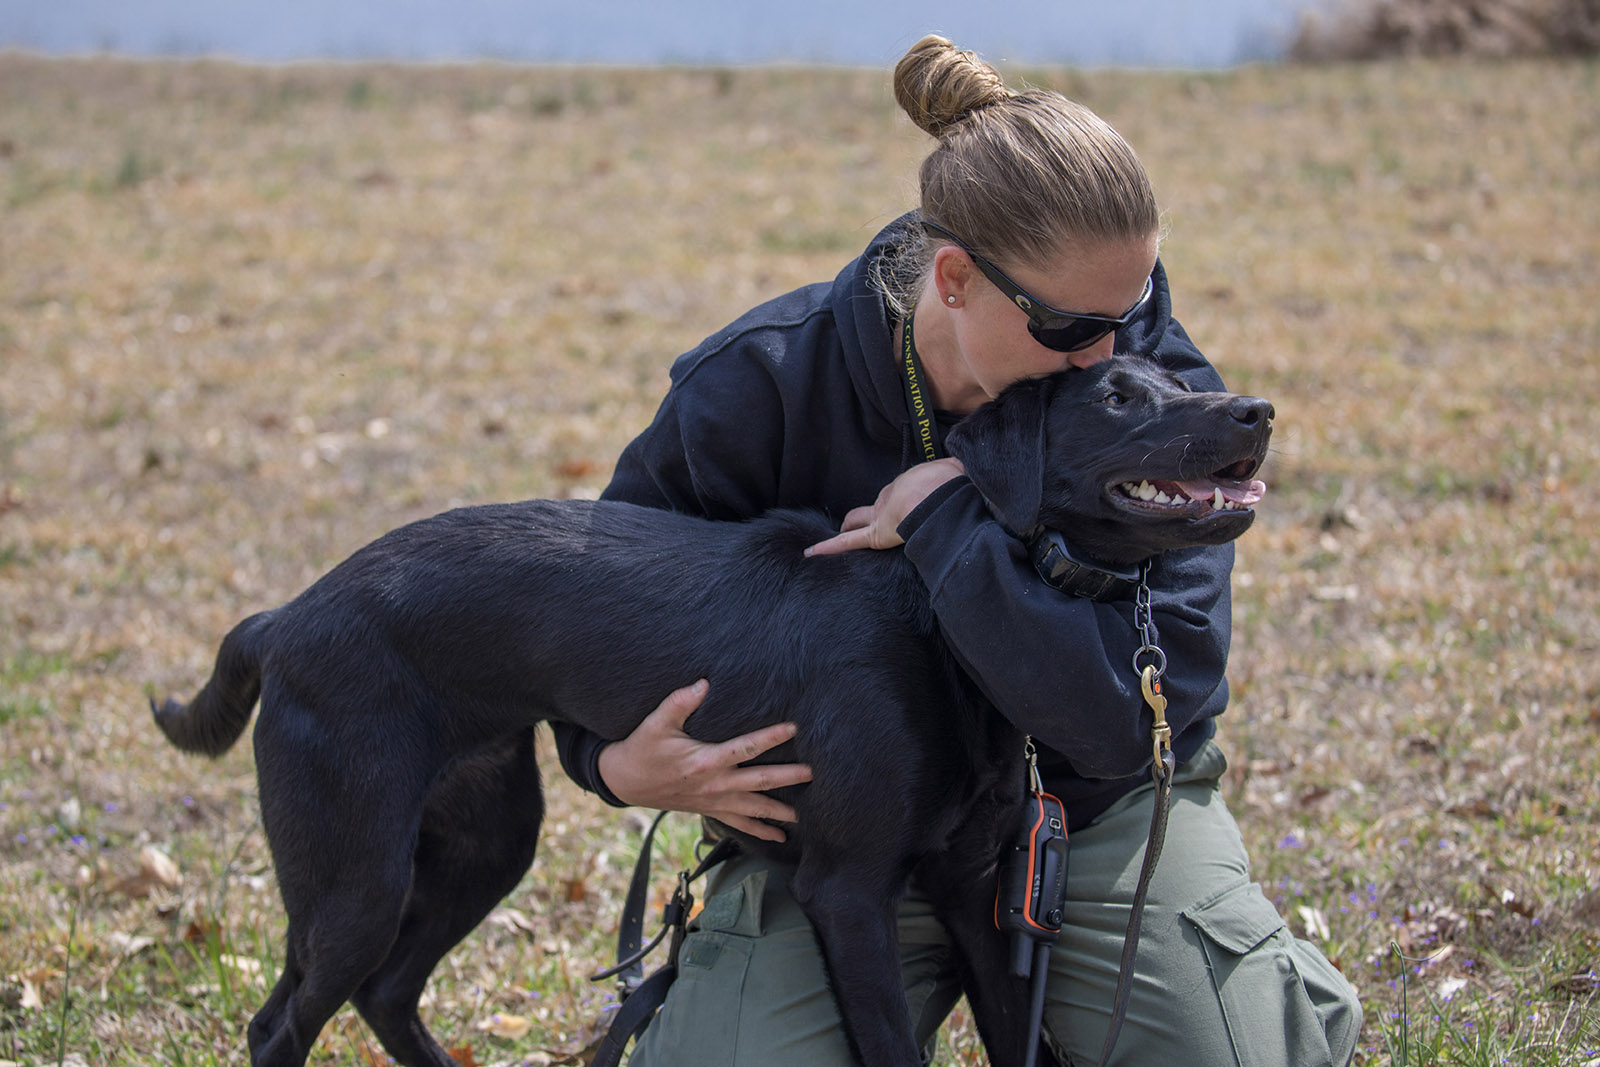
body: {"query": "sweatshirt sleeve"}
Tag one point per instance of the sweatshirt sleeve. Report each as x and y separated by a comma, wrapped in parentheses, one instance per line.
(1060, 667)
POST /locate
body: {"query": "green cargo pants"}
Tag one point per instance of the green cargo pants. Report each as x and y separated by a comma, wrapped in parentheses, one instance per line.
(1220, 980)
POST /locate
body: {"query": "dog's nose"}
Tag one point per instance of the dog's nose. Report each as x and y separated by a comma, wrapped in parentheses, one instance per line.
(1251, 410)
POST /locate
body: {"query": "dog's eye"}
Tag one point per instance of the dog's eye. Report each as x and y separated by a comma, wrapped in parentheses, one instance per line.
(1116, 399)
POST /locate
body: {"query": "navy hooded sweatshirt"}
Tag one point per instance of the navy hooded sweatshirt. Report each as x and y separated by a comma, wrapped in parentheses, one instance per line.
(800, 404)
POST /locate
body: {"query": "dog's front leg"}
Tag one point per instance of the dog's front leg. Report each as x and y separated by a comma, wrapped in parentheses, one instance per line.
(853, 915)
(961, 885)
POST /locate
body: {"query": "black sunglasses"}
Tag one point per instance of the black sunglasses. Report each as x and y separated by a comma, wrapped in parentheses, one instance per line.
(1063, 331)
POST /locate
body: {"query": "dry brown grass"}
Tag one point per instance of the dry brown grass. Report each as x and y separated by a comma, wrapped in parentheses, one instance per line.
(251, 318)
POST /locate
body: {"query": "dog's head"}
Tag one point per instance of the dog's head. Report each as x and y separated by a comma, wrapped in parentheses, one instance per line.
(1122, 458)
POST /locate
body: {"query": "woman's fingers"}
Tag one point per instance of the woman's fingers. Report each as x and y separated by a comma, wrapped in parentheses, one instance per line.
(659, 765)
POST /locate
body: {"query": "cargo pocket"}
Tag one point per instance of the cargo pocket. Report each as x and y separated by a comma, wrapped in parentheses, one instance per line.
(1255, 970)
(698, 1025)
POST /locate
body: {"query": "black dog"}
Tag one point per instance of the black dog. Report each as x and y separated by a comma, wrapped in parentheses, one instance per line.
(400, 692)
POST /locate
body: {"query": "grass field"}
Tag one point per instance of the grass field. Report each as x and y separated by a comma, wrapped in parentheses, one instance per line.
(251, 318)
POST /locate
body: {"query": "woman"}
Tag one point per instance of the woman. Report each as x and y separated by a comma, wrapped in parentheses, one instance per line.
(1030, 203)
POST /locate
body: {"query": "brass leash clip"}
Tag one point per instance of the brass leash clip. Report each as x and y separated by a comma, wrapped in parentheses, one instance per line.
(1160, 732)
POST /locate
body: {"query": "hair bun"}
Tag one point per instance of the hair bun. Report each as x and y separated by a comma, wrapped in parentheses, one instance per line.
(938, 85)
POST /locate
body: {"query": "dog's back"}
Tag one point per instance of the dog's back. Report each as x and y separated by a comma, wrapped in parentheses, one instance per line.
(482, 620)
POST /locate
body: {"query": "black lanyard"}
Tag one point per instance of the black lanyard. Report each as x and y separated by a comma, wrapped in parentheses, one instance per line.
(917, 401)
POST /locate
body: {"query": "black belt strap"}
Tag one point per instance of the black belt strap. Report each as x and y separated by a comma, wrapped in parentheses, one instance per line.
(630, 931)
(641, 997)
(636, 1012)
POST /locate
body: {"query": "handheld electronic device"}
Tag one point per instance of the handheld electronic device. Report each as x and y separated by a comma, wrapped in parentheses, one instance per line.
(1033, 880)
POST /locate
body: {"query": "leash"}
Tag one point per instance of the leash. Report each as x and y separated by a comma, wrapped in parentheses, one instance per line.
(641, 997)
(1162, 767)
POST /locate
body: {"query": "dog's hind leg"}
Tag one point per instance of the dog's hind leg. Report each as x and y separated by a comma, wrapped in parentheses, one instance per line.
(853, 914)
(479, 829)
(960, 883)
(332, 947)
(342, 835)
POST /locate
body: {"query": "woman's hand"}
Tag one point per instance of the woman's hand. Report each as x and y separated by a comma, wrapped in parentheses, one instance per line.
(878, 526)
(660, 766)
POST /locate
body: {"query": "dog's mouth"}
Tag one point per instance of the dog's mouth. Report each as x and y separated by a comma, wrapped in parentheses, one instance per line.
(1230, 489)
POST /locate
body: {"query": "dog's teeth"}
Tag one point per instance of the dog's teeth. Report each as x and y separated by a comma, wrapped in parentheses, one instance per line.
(1217, 500)
(1130, 488)
(1147, 491)
(1163, 498)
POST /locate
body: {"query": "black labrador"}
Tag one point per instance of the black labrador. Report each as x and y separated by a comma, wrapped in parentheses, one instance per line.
(399, 695)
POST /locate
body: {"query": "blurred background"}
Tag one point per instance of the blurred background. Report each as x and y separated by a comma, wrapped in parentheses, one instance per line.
(1133, 33)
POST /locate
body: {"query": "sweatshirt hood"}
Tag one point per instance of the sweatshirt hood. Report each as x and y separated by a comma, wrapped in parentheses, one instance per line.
(866, 333)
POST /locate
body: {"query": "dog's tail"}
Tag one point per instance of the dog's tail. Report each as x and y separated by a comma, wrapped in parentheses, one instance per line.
(214, 719)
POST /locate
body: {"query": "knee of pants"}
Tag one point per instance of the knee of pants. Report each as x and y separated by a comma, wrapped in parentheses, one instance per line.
(1224, 983)
(1271, 1000)
(1280, 1000)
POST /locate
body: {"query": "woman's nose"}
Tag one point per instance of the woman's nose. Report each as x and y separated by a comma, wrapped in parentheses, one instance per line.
(1098, 352)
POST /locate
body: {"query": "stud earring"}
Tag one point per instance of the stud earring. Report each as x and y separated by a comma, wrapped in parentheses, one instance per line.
(951, 299)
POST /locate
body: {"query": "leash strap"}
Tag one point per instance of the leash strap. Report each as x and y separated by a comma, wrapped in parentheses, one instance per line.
(1162, 767)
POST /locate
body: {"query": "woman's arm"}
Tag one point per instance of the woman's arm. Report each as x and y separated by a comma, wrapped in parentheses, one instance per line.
(673, 465)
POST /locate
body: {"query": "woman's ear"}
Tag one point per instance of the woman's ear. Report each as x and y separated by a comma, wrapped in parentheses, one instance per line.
(952, 275)
(1001, 445)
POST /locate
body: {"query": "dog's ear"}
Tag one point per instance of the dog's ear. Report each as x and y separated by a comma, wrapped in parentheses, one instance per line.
(1002, 447)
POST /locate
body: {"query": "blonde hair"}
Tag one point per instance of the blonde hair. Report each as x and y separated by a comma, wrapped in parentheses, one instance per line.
(1017, 175)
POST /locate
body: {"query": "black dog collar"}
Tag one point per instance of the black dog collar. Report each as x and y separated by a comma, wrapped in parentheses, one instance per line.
(1064, 569)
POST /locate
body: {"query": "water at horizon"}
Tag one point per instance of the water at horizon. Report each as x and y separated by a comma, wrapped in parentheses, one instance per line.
(1135, 33)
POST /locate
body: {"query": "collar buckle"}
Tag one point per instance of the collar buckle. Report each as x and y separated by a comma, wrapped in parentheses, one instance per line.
(1063, 567)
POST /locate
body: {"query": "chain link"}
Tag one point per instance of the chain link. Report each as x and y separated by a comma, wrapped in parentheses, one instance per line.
(1144, 619)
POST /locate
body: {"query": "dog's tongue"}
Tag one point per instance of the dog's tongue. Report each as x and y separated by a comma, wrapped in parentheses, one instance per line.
(1243, 492)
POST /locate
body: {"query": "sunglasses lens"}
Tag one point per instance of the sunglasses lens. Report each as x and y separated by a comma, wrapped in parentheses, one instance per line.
(1070, 335)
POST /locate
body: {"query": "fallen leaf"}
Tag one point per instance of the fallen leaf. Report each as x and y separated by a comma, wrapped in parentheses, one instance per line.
(158, 866)
(1512, 903)
(31, 1001)
(1314, 794)
(243, 964)
(577, 891)
(462, 1054)
(1450, 987)
(156, 871)
(130, 944)
(1578, 984)
(513, 920)
(509, 1027)
(1315, 922)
